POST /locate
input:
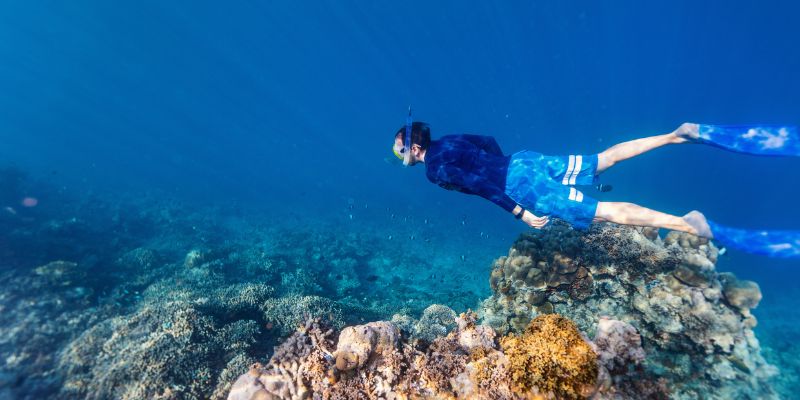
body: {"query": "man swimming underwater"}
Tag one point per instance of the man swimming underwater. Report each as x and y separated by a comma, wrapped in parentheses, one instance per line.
(527, 183)
(533, 186)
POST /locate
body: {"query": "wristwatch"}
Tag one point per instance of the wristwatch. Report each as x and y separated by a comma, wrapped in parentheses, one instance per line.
(519, 214)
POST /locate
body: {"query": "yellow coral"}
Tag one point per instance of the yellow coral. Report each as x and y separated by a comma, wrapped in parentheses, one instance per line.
(552, 356)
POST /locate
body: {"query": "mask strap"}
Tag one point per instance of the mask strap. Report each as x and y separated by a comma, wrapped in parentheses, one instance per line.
(409, 121)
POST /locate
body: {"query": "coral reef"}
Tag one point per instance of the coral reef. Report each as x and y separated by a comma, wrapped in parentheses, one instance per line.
(550, 360)
(552, 356)
(172, 344)
(437, 320)
(289, 312)
(145, 297)
(694, 323)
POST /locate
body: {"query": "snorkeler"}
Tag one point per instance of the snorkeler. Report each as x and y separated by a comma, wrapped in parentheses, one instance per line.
(534, 187)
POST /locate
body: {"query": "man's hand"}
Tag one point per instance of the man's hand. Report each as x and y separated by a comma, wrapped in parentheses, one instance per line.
(533, 221)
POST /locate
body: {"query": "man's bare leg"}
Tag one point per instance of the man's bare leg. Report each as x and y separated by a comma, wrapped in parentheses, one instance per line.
(632, 214)
(633, 148)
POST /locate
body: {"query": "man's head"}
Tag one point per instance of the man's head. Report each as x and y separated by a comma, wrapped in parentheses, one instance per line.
(420, 140)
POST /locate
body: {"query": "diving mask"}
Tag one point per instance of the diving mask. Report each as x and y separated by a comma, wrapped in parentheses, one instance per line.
(404, 152)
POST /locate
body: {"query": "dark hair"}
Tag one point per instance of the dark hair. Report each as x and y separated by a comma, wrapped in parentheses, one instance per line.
(420, 134)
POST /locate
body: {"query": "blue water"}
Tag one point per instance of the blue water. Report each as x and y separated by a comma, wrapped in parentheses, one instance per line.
(288, 108)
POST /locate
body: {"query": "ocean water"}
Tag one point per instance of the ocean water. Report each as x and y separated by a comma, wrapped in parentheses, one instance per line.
(256, 134)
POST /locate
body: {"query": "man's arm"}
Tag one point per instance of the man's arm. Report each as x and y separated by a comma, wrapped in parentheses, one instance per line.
(455, 177)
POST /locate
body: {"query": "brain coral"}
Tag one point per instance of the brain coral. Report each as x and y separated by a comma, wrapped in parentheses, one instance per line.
(552, 356)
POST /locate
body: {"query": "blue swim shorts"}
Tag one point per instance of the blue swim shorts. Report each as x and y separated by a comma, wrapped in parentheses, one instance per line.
(544, 185)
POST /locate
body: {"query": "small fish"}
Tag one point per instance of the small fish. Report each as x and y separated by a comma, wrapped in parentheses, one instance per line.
(392, 216)
(463, 258)
(372, 278)
(426, 221)
(411, 237)
(11, 210)
(351, 216)
(650, 285)
(390, 237)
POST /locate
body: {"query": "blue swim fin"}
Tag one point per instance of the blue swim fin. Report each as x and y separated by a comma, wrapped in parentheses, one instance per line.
(763, 140)
(779, 244)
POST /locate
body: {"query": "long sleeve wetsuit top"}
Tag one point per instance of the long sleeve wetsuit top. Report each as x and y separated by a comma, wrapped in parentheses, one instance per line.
(470, 164)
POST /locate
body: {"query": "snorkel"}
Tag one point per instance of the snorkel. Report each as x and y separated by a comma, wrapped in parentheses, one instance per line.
(405, 153)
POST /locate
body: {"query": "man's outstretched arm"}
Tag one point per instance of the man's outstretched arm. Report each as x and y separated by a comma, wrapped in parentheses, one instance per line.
(478, 185)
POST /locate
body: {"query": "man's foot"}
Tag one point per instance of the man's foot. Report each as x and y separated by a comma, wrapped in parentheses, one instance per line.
(698, 222)
(687, 132)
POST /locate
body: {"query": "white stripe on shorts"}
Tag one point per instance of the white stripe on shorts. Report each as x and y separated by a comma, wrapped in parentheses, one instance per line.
(575, 195)
(576, 170)
(571, 165)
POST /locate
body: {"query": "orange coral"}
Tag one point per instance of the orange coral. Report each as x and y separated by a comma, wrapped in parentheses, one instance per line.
(552, 356)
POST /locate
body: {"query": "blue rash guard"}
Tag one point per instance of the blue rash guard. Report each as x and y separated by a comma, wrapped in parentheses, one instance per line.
(475, 164)
(470, 164)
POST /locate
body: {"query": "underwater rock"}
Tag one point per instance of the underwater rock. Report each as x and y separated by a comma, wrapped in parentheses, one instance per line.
(185, 338)
(546, 308)
(140, 259)
(301, 365)
(650, 233)
(437, 320)
(536, 279)
(195, 258)
(741, 294)
(61, 273)
(288, 312)
(359, 344)
(472, 336)
(172, 349)
(618, 344)
(692, 321)
(691, 276)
